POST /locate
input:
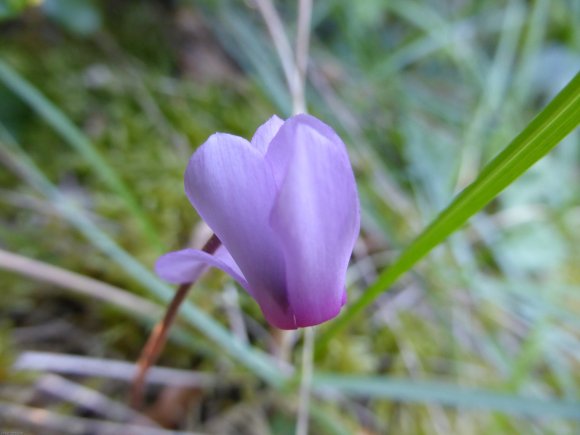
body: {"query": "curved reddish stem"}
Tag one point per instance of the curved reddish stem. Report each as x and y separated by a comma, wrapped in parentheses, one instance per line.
(158, 337)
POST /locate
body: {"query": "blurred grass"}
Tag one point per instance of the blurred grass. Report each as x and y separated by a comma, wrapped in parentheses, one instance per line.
(71, 134)
(424, 93)
(542, 134)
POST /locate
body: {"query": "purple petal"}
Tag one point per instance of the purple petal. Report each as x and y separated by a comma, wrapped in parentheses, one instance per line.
(265, 133)
(187, 265)
(316, 215)
(231, 186)
(279, 156)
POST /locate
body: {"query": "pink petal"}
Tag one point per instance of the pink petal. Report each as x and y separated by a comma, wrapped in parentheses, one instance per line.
(316, 216)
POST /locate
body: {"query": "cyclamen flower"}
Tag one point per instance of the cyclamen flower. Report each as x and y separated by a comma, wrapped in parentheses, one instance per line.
(286, 210)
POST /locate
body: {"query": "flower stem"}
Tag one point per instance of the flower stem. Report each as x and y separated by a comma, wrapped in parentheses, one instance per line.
(305, 382)
(158, 337)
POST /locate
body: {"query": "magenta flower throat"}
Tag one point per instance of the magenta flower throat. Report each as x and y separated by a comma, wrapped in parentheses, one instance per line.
(286, 209)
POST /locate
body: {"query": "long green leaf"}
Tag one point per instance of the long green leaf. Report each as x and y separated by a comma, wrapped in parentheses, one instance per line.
(423, 392)
(78, 141)
(543, 133)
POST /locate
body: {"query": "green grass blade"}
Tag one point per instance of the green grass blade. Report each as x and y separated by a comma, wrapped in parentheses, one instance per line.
(255, 360)
(441, 393)
(80, 142)
(330, 422)
(542, 134)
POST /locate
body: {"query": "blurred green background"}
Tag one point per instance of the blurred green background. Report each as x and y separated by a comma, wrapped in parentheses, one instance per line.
(107, 99)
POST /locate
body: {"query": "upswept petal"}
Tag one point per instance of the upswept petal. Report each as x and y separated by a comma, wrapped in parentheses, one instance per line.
(231, 186)
(316, 216)
(265, 133)
(187, 265)
(279, 156)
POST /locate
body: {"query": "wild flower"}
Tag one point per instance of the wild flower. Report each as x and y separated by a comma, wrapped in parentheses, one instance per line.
(286, 209)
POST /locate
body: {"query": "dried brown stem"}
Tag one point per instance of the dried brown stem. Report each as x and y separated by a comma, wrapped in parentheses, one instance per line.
(302, 46)
(76, 282)
(47, 421)
(280, 39)
(158, 337)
